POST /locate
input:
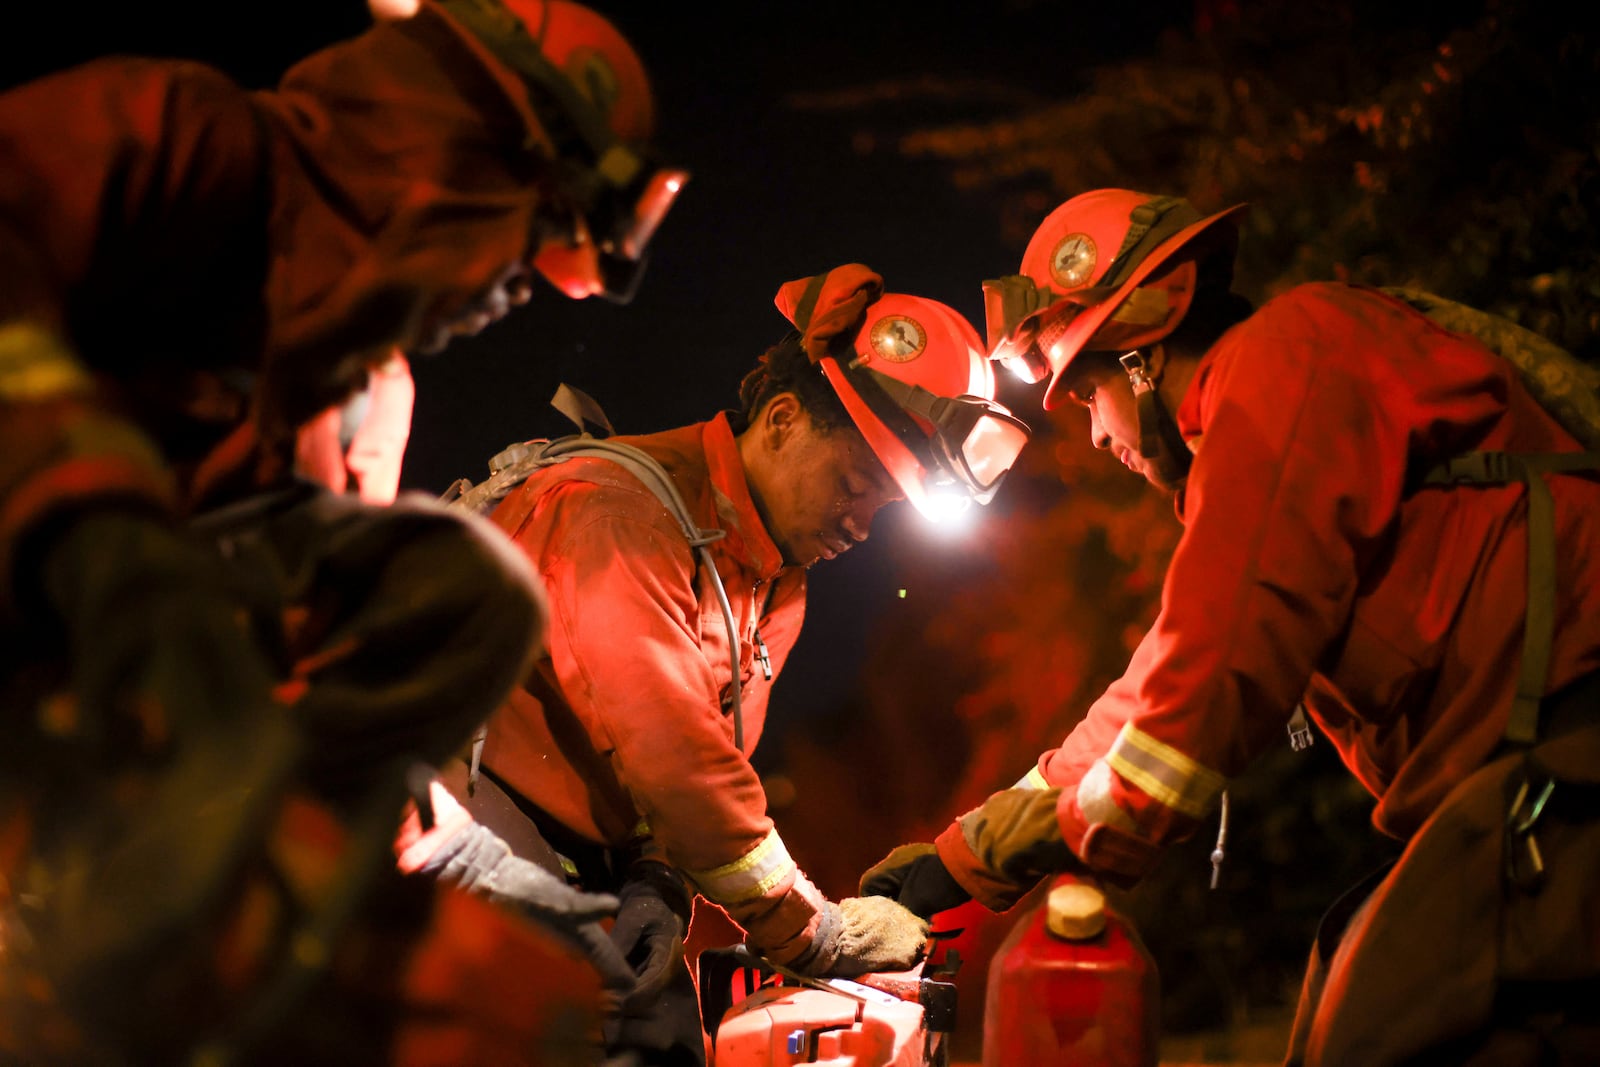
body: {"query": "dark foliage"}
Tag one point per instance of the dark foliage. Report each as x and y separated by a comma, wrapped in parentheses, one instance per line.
(1451, 148)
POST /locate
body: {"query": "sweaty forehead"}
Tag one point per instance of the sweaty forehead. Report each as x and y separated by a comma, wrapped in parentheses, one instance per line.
(858, 456)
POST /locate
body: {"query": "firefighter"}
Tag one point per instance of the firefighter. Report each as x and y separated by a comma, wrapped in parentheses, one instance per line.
(1383, 531)
(624, 757)
(216, 673)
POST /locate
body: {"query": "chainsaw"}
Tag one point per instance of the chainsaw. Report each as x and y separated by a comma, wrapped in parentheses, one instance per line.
(761, 1014)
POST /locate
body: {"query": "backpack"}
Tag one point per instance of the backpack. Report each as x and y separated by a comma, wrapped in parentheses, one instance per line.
(1564, 385)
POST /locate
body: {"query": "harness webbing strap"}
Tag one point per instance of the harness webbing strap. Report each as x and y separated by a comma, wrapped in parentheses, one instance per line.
(514, 465)
(1499, 468)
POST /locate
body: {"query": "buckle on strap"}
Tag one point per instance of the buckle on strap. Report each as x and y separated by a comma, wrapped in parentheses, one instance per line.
(1523, 860)
(1477, 468)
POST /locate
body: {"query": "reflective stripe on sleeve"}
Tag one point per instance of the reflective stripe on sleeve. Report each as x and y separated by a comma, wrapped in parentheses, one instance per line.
(1166, 774)
(1096, 802)
(750, 876)
(1032, 780)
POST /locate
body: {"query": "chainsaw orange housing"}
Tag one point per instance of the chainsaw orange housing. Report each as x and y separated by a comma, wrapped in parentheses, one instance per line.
(781, 1025)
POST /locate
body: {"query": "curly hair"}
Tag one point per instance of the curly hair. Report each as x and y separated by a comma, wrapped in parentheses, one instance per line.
(785, 368)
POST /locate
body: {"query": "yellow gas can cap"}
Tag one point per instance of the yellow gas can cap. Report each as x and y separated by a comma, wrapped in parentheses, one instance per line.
(1075, 912)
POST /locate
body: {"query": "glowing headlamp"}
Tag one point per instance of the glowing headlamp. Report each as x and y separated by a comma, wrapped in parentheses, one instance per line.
(975, 441)
(1013, 310)
(963, 446)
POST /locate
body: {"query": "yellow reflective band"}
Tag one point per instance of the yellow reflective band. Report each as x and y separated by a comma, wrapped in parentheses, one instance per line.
(36, 365)
(1032, 780)
(750, 876)
(1165, 773)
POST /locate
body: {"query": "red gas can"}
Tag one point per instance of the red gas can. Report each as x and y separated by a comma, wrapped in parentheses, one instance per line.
(1072, 984)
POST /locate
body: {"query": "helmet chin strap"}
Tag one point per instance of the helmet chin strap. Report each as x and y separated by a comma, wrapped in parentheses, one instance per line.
(1156, 425)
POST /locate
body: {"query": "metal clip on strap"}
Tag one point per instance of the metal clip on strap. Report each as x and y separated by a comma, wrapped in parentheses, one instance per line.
(1524, 861)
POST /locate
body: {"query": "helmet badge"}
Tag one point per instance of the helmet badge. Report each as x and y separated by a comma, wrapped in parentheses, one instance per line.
(1073, 260)
(898, 338)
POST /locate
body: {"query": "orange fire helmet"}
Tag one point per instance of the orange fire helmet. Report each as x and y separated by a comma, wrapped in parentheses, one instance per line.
(583, 93)
(1102, 272)
(913, 376)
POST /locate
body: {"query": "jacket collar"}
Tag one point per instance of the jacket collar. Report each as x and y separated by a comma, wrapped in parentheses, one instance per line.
(748, 537)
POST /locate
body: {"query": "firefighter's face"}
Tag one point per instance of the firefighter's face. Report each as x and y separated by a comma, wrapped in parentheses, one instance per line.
(465, 315)
(1097, 382)
(817, 489)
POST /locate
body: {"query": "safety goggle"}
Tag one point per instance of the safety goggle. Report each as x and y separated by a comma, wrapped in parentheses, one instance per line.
(605, 255)
(1019, 330)
(1013, 309)
(975, 442)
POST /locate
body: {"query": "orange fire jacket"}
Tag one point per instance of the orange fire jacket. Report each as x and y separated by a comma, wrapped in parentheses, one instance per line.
(620, 733)
(1312, 567)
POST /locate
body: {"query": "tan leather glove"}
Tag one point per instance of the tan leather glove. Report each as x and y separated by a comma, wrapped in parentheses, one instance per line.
(1015, 835)
(860, 935)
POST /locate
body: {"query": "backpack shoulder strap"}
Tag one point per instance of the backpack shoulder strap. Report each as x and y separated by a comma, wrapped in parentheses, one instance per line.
(1569, 390)
(516, 463)
(1538, 632)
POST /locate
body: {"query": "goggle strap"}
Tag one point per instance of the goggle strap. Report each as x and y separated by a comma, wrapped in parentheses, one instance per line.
(1153, 222)
(919, 401)
(886, 441)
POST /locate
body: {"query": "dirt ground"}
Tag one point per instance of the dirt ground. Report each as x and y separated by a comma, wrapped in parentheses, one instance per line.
(1259, 1044)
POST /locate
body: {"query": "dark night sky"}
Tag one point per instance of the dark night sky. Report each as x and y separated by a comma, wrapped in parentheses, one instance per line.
(777, 193)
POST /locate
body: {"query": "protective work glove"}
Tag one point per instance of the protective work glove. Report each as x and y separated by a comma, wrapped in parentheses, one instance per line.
(1015, 835)
(915, 876)
(479, 861)
(660, 1014)
(1002, 848)
(860, 935)
(652, 921)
